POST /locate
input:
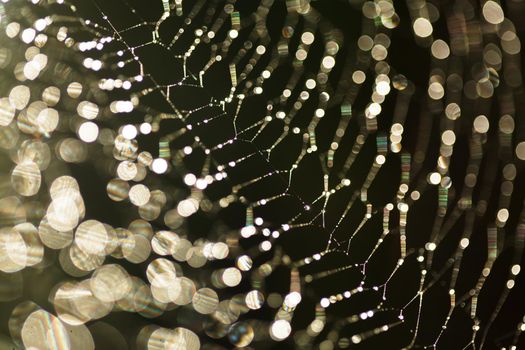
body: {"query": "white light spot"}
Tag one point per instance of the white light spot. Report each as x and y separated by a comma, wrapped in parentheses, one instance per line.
(88, 132)
(159, 165)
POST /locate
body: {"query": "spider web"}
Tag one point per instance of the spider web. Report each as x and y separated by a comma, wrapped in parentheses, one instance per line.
(374, 198)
